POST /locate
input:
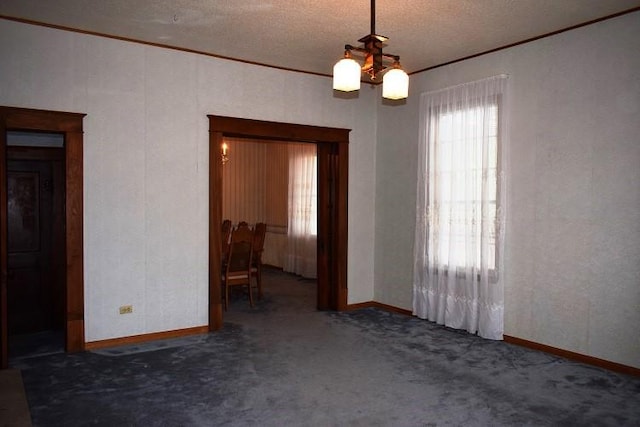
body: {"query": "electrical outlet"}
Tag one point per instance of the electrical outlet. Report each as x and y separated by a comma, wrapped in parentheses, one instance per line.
(126, 309)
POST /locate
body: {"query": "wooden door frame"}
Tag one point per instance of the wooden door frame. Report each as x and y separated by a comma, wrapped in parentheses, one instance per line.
(333, 174)
(70, 125)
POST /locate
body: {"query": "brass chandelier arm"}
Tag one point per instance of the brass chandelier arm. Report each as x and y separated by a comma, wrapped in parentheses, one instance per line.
(379, 67)
(348, 47)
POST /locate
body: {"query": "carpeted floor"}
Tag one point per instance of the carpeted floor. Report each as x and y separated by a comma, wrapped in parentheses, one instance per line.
(283, 363)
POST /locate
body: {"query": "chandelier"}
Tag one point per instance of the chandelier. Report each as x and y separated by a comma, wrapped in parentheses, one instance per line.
(347, 72)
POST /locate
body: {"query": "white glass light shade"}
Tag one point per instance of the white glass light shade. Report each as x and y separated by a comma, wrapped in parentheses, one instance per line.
(395, 84)
(346, 75)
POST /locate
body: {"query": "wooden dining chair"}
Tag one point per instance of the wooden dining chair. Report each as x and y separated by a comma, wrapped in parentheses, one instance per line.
(259, 233)
(226, 236)
(237, 271)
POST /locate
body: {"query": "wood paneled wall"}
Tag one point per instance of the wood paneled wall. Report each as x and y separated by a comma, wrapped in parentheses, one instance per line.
(277, 181)
(243, 182)
(254, 184)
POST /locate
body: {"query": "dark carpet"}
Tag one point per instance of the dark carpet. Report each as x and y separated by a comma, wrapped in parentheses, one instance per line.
(282, 363)
(36, 344)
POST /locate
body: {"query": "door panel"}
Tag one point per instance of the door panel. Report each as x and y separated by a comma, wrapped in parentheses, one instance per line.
(30, 281)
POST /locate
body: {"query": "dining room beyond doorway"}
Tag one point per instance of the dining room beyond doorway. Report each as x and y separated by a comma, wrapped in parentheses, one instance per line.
(276, 184)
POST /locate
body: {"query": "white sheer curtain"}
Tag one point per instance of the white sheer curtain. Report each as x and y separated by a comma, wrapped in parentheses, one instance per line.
(460, 215)
(300, 256)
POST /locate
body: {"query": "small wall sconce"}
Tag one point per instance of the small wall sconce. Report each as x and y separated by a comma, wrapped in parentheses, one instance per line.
(225, 157)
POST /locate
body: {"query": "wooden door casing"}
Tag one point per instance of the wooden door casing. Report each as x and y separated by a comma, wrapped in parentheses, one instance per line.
(333, 175)
(70, 126)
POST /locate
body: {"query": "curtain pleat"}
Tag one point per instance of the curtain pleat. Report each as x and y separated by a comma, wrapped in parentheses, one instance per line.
(300, 257)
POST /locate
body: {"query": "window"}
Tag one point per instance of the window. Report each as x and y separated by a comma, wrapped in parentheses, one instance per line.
(463, 185)
(303, 191)
(460, 218)
(301, 253)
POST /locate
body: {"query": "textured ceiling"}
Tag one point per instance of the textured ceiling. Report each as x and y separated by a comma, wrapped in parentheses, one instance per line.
(309, 35)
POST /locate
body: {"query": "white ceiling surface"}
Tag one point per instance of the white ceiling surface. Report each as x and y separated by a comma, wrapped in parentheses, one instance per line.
(309, 35)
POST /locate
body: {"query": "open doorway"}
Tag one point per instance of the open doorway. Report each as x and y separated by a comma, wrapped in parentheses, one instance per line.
(275, 183)
(332, 158)
(14, 176)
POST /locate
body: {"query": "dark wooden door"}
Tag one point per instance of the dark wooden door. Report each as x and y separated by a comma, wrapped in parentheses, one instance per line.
(33, 290)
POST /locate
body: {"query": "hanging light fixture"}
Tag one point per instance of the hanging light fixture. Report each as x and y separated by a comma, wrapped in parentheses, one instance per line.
(347, 72)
